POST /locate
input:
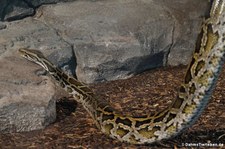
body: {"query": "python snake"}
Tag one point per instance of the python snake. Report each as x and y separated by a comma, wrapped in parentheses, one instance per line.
(192, 98)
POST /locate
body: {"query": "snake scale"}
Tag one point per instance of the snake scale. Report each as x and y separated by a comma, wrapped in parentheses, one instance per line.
(192, 97)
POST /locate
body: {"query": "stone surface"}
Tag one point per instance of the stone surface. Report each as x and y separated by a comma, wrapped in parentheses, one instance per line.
(27, 102)
(2, 25)
(37, 3)
(117, 39)
(16, 10)
(11, 10)
(112, 39)
(34, 34)
(188, 16)
(3, 4)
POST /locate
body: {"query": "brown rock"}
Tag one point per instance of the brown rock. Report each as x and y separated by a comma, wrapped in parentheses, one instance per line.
(27, 102)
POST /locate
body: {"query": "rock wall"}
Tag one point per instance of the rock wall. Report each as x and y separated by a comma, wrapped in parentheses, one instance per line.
(11, 10)
(93, 40)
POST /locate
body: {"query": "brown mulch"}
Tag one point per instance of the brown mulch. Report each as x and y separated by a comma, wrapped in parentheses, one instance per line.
(148, 92)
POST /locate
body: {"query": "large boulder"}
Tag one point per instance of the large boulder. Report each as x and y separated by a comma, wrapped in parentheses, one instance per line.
(27, 102)
(11, 10)
(117, 39)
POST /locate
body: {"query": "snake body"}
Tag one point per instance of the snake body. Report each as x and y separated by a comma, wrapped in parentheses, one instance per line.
(192, 98)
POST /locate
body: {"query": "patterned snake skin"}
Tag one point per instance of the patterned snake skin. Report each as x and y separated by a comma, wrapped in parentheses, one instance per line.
(192, 98)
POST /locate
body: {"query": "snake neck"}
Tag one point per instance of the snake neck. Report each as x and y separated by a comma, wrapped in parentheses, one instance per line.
(80, 92)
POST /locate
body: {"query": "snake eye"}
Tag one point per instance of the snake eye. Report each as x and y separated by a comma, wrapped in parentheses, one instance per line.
(25, 55)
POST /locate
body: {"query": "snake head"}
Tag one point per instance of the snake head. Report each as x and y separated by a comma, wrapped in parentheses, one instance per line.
(34, 56)
(30, 54)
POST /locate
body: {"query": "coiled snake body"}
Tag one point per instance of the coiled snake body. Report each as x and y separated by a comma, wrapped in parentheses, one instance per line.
(192, 98)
